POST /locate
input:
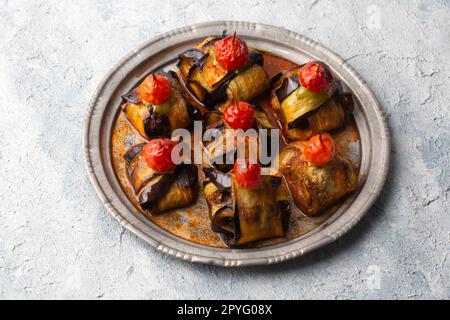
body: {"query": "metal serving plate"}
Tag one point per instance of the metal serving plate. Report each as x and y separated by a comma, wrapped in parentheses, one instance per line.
(103, 111)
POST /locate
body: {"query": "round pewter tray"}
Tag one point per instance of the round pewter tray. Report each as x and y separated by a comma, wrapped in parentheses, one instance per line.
(104, 108)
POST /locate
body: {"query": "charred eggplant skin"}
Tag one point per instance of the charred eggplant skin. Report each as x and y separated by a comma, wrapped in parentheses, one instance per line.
(315, 189)
(208, 83)
(217, 190)
(156, 125)
(154, 191)
(138, 173)
(133, 152)
(131, 97)
(242, 216)
(160, 192)
(220, 179)
(182, 191)
(289, 85)
(186, 175)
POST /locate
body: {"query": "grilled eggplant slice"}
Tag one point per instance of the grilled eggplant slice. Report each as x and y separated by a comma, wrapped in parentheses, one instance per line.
(138, 172)
(210, 84)
(218, 151)
(160, 192)
(222, 151)
(180, 193)
(305, 113)
(241, 215)
(314, 189)
(218, 193)
(159, 120)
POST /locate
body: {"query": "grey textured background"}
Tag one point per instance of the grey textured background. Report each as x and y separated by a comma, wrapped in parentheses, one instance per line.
(56, 240)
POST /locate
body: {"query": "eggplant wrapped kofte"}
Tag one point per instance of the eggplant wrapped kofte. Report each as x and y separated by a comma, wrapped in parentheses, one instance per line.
(245, 206)
(309, 101)
(159, 185)
(158, 106)
(317, 176)
(222, 68)
(222, 150)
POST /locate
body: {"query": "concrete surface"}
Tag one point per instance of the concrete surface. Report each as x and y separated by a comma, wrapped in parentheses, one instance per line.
(56, 240)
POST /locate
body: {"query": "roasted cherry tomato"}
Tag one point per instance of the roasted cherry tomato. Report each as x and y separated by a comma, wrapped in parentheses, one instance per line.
(315, 77)
(247, 175)
(231, 53)
(320, 149)
(155, 89)
(239, 115)
(158, 154)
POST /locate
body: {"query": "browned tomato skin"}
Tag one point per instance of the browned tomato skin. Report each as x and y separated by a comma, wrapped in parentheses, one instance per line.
(247, 175)
(231, 53)
(320, 149)
(239, 115)
(315, 76)
(155, 89)
(158, 154)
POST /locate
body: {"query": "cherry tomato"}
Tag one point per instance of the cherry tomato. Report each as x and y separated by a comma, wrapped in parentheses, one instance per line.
(315, 76)
(231, 53)
(320, 149)
(239, 115)
(247, 175)
(155, 89)
(158, 154)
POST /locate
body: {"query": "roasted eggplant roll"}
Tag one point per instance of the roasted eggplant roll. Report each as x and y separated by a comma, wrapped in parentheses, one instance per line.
(305, 113)
(160, 192)
(210, 84)
(315, 188)
(154, 121)
(220, 153)
(242, 215)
